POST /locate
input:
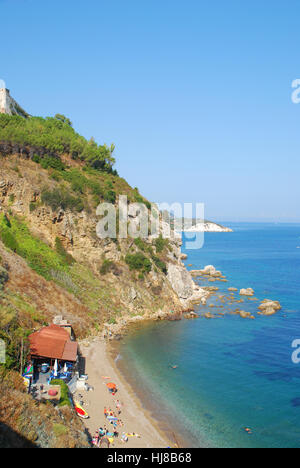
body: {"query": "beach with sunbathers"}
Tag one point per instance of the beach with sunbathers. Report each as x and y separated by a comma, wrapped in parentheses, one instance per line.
(115, 412)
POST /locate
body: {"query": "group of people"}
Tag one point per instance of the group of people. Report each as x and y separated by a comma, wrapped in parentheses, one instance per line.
(113, 417)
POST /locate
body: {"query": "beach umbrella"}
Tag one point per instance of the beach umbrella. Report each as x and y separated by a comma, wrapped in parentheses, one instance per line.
(65, 368)
(111, 386)
(55, 368)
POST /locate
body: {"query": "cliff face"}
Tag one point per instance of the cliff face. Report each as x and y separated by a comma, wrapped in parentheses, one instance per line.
(9, 106)
(84, 292)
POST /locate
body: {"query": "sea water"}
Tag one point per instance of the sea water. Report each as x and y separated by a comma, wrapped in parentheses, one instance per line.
(232, 373)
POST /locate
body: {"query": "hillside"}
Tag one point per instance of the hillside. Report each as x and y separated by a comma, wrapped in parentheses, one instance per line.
(51, 260)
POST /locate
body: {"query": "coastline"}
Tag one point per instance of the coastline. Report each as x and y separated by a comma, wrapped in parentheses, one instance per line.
(99, 362)
(160, 414)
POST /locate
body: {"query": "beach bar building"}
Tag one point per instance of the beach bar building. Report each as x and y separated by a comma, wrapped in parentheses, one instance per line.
(53, 345)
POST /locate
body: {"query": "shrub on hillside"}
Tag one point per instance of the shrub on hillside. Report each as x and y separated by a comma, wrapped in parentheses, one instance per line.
(161, 243)
(138, 261)
(60, 198)
(62, 252)
(160, 264)
(106, 266)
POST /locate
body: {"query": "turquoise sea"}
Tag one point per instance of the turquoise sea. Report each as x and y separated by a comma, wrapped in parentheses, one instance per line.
(232, 372)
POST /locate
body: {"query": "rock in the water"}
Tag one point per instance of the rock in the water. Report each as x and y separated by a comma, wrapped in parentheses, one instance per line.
(245, 314)
(191, 315)
(208, 315)
(247, 292)
(210, 270)
(232, 289)
(268, 307)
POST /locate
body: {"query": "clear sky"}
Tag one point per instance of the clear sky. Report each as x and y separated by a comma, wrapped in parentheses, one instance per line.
(195, 94)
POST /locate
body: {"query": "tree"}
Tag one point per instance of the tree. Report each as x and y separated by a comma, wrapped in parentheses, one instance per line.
(63, 119)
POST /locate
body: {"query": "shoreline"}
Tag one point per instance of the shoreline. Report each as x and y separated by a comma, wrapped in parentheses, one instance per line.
(99, 362)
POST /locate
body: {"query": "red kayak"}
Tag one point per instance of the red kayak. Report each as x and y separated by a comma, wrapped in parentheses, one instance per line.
(80, 411)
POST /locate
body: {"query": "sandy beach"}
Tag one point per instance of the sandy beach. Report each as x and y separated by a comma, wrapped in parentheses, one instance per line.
(98, 365)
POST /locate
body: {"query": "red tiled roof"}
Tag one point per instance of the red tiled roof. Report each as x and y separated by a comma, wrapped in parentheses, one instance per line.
(70, 351)
(53, 342)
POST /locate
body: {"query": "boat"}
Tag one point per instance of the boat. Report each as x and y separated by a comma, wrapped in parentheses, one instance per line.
(80, 410)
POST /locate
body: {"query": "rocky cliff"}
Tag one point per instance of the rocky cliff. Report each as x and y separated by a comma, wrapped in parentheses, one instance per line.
(9, 106)
(98, 286)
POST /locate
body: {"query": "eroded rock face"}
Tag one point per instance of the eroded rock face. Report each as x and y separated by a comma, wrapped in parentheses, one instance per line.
(268, 307)
(181, 281)
(184, 286)
(247, 292)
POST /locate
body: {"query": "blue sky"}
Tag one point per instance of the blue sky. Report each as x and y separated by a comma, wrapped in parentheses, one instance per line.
(195, 94)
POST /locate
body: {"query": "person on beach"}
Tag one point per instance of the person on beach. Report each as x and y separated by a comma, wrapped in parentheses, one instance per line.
(118, 406)
(96, 439)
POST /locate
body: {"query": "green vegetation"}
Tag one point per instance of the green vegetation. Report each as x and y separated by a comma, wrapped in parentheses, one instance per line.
(58, 266)
(106, 266)
(139, 199)
(48, 138)
(160, 264)
(48, 162)
(140, 243)
(61, 198)
(59, 430)
(161, 243)
(40, 257)
(17, 319)
(62, 252)
(138, 261)
(64, 397)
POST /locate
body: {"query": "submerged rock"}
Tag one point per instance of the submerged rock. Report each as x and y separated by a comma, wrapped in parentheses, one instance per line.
(191, 315)
(208, 315)
(244, 314)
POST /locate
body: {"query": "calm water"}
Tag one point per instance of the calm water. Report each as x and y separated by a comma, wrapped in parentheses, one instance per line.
(232, 373)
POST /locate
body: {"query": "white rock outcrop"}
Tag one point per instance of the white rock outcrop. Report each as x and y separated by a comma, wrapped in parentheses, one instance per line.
(207, 226)
(184, 286)
(247, 292)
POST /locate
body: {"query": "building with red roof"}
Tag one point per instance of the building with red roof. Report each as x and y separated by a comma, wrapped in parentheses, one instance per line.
(53, 342)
